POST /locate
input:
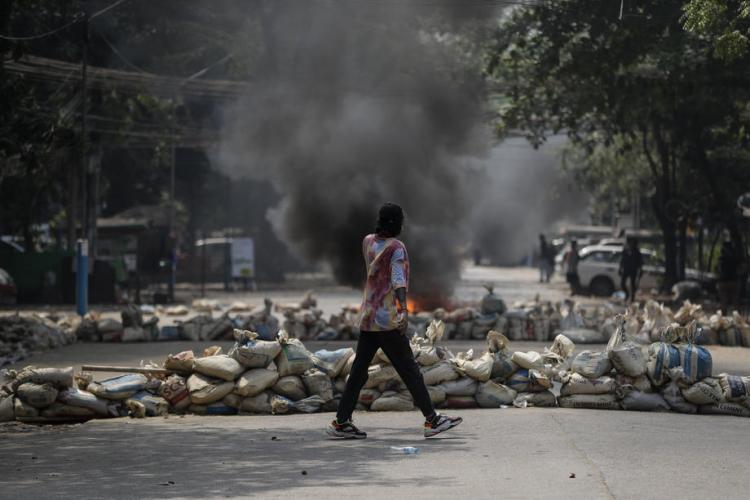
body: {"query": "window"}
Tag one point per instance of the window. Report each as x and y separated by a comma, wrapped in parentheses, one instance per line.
(600, 256)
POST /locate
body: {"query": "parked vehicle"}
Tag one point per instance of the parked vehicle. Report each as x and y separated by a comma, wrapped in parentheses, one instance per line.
(599, 265)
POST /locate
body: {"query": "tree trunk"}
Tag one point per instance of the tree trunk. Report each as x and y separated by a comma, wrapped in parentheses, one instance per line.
(661, 177)
(682, 256)
(670, 246)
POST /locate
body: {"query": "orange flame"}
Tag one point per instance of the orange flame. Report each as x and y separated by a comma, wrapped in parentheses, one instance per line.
(419, 303)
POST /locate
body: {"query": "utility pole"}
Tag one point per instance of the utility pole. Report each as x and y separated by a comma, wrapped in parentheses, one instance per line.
(172, 229)
(84, 124)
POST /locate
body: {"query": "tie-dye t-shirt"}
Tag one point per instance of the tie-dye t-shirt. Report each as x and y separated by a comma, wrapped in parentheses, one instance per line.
(387, 270)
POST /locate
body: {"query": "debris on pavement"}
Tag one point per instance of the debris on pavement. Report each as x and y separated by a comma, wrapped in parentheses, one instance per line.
(21, 335)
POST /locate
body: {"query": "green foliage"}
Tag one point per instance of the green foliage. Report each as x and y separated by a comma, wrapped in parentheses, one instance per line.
(726, 23)
(639, 91)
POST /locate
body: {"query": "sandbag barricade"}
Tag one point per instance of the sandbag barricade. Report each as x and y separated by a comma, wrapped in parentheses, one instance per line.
(675, 375)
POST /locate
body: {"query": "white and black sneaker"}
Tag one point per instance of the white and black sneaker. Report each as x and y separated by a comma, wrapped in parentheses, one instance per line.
(440, 423)
(347, 430)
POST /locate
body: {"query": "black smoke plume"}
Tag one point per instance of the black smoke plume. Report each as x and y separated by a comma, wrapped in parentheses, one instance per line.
(360, 102)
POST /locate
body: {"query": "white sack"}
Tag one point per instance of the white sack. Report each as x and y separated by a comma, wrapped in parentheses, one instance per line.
(591, 364)
(221, 366)
(578, 384)
(592, 401)
(255, 381)
(290, 387)
(204, 391)
(493, 395)
(318, 384)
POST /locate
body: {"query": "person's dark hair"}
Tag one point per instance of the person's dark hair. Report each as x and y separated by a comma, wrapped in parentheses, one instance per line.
(390, 220)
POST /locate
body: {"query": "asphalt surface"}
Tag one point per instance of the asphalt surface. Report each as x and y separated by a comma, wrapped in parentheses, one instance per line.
(513, 453)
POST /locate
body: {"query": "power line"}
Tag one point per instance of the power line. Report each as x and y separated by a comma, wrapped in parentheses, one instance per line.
(76, 19)
(106, 9)
(119, 54)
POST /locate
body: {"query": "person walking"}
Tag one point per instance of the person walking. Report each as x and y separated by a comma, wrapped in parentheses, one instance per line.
(728, 275)
(631, 268)
(546, 260)
(570, 260)
(383, 323)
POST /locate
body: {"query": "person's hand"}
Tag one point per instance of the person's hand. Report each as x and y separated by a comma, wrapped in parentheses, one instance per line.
(403, 321)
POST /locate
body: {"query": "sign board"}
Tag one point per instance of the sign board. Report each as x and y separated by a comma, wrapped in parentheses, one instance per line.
(243, 258)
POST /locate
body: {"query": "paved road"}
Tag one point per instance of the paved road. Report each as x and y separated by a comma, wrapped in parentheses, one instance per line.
(514, 453)
(511, 283)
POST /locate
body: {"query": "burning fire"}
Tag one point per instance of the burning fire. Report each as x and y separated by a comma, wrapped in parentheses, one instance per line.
(430, 302)
(411, 306)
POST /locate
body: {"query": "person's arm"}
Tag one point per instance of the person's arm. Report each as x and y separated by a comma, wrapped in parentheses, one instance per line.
(398, 282)
(403, 311)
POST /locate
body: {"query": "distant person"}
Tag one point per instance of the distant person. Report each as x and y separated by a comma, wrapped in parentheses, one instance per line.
(631, 268)
(383, 323)
(570, 260)
(546, 260)
(727, 268)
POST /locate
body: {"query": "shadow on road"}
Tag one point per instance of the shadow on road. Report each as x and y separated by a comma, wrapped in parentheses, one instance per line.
(147, 459)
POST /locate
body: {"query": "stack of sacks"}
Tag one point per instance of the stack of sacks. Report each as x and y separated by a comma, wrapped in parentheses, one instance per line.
(731, 330)
(48, 395)
(532, 380)
(256, 376)
(205, 327)
(135, 329)
(342, 326)
(579, 327)
(654, 319)
(591, 383)
(282, 376)
(23, 335)
(682, 372)
(305, 324)
(675, 375)
(260, 320)
(458, 323)
(532, 320)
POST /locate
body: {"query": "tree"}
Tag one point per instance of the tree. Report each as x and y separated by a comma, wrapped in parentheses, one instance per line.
(641, 82)
(726, 23)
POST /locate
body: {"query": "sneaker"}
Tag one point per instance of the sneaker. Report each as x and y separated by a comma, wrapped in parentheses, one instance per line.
(440, 424)
(347, 430)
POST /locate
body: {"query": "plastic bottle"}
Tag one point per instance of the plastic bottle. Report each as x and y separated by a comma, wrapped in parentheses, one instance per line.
(406, 450)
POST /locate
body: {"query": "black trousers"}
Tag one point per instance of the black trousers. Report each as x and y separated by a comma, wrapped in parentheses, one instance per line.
(396, 347)
(575, 283)
(623, 284)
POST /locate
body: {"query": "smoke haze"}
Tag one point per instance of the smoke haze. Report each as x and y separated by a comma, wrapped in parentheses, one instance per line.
(356, 105)
(525, 193)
